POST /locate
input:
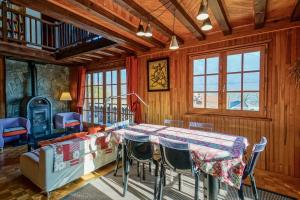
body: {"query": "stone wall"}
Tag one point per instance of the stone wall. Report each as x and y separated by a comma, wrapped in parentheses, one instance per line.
(52, 81)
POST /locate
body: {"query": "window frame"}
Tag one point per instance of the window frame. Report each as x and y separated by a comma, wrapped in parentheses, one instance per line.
(222, 97)
(104, 85)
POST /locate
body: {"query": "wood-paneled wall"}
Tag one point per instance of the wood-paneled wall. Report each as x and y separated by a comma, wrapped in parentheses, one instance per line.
(2, 86)
(282, 125)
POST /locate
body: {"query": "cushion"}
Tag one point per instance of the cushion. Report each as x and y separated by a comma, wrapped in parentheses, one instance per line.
(61, 139)
(71, 123)
(8, 132)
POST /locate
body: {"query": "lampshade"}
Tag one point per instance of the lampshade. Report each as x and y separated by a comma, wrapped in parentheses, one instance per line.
(173, 44)
(206, 26)
(65, 96)
(148, 32)
(202, 13)
(141, 31)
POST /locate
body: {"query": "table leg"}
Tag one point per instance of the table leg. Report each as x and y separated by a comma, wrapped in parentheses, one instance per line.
(212, 187)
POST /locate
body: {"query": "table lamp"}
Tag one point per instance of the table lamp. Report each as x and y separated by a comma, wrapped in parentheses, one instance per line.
(65, 96)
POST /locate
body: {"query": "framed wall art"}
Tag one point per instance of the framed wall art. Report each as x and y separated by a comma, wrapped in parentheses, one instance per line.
(158, 75)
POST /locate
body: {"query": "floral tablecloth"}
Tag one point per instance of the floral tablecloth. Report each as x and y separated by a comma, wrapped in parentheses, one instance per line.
(219, 155)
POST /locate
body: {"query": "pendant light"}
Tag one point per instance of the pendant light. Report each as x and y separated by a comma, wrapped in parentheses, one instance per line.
(173, 44)
(141, 30)
(148, 32)
(206, 26)
(202, 13)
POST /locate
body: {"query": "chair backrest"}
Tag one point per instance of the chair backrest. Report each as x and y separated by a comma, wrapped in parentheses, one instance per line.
(201, 126)
(138, 147)
(175, 123)
(257, 149)
(175, 154)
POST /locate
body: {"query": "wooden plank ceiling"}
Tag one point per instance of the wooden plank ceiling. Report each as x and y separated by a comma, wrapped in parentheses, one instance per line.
(118, 20)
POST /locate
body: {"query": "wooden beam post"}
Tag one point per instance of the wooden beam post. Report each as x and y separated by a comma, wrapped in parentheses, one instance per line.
(184, 17)
(51, 9)
(218, 11)
(142, 13)
(109, 17)
(260, 13)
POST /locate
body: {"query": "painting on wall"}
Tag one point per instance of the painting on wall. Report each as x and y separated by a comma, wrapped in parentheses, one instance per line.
(158, 75)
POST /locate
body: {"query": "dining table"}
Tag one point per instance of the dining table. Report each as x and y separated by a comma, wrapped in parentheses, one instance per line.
(218, 155)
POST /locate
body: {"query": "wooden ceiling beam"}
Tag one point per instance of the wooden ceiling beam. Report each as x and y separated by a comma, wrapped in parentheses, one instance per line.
(109, 17)
(260, 7)
(55, 11)
(113, 53)
(127, 50)
(296, 12)
(92, 46)
(184, 17)
(142, 13)
(218, 11)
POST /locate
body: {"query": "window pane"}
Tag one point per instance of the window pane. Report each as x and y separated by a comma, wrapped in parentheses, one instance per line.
(108, 91)
(87, 104)
(96, 105)
(234, 63)
(96, 117)
(88, 92)
(123, 76)
(251, 81)
(124, 101)
(198, 100)
(212, 83)
(123, 89)
(114, 77)
(100, 91)
(108, 77)
(212, 65)
(87, 116)
(95, 78)
(233, 82)
(100, 78)
(251, 101)
(88, 79)
(212, 100)
(198, 83)
(234, 101)
(96, 91)
(199, 66)
(114, 90)
(252, 61)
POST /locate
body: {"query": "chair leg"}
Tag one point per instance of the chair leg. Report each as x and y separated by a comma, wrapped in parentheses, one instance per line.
(179, 182)
(241, 194)
(156, 179)
(117, 163)
(254, 186)
(144, 176)
(138, 168)
(161, 183)
(126, 175)
(150, 167)
(196, 186)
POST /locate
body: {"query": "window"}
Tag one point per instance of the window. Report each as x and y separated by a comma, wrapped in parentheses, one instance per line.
(206, 82)
(104, 103)
(228, 82)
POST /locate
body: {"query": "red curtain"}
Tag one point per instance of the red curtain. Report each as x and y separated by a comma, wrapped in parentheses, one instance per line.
(132, 86)
(77, 83)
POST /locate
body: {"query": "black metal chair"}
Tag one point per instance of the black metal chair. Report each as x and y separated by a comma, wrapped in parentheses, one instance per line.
(249, 169)
(139, 148)
(201, 126)
(174, 123)
(176, 156)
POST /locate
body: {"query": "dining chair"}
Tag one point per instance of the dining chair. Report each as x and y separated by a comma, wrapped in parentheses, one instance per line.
(249, 169)
(172, 122)
(176, 156)
(201, 126)
(139, 148)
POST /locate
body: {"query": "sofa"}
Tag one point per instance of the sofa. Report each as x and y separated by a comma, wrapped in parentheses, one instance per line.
(49, 170)
(13, 129)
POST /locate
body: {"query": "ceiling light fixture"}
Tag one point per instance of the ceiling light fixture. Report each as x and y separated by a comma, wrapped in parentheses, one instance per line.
(173, 44)
(202, 13)
(206, 26)
(141, 30)
(148, 32)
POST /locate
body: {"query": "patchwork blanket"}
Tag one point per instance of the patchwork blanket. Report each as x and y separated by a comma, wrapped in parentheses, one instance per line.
(75, 151)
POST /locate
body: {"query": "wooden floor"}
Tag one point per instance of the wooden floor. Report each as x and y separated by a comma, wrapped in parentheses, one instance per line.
(14, 186)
